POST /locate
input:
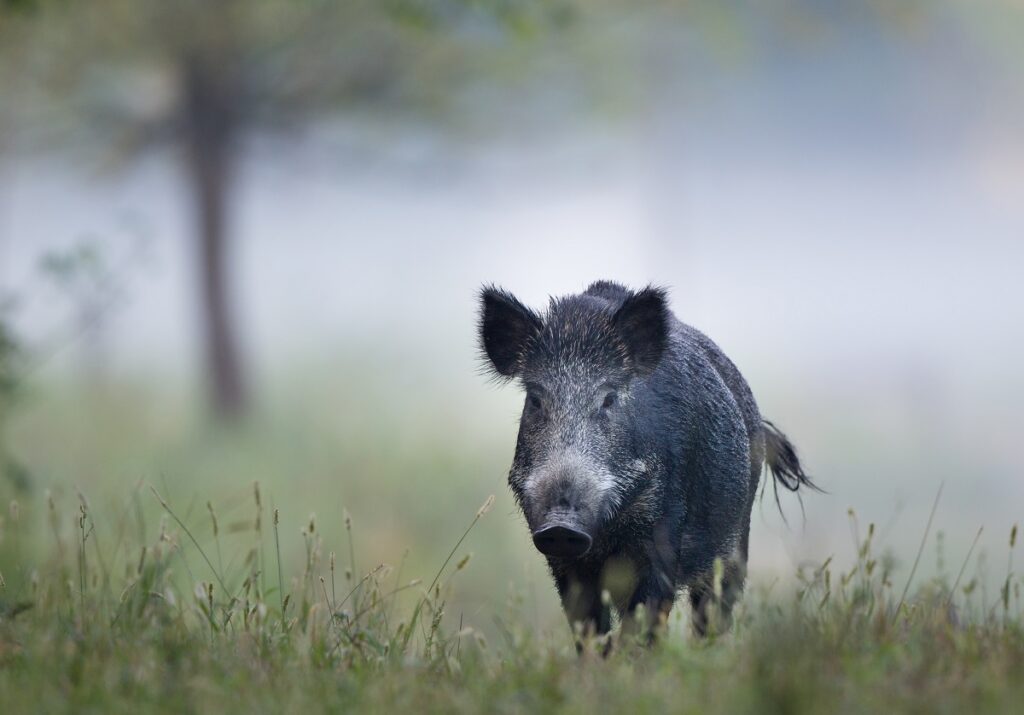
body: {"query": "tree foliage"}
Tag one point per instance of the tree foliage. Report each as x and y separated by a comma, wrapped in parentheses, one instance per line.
(200, 76)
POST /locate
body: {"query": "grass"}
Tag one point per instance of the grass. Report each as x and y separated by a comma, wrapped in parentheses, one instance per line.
(195, 590)
(93, 620)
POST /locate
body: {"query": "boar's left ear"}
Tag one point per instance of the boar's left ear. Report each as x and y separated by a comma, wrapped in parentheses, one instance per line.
(643, 325)
(506, 329)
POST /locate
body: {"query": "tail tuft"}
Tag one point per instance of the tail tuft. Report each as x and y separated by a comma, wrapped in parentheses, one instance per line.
(784, 464)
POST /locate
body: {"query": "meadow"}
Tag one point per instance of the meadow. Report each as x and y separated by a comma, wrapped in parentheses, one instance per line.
(248, 460)
(160, 563)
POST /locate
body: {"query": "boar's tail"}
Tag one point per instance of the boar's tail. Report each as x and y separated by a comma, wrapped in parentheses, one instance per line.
(784, 465)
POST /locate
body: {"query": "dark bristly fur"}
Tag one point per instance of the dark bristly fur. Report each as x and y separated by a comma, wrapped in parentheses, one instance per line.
(639, 454)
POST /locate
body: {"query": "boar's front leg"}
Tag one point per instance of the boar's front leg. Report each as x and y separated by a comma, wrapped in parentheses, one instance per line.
(581, 600)
(654, 587)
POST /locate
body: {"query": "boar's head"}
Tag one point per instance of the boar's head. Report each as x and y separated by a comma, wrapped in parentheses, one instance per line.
(583, 433)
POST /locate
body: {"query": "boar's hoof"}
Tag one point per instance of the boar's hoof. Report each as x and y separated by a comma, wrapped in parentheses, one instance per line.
(562, 541)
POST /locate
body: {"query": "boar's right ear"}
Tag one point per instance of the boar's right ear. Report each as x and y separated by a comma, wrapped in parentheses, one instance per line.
(506, 329)
(642, 323)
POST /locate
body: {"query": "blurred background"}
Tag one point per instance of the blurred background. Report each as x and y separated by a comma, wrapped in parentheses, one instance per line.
(241, 241)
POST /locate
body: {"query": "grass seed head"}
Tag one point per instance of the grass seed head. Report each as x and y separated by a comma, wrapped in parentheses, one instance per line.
(213, 518)
(259, 506)
(486, 506)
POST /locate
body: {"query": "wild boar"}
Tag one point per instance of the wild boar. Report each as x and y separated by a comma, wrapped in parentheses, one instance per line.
(639, 453)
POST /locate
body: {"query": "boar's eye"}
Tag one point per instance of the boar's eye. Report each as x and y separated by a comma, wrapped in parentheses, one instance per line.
(533, 400)
(609, 399)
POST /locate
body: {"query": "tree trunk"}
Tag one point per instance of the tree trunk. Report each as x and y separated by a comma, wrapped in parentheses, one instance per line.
(208, 133)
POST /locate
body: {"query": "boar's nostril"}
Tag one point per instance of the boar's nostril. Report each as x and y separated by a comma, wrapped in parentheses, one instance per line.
(562, 541)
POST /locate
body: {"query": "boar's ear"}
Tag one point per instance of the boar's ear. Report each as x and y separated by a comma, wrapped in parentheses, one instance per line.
(506, 329)
(643, 325)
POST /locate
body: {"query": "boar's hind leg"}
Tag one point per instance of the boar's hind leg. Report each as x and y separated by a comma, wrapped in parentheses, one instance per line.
(712, 613)
(657, 595)
(654, 621)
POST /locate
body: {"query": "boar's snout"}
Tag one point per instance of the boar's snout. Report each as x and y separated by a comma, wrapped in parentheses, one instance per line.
(561, 540)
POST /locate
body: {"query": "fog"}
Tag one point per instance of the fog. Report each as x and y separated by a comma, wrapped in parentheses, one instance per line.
(846, 221)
